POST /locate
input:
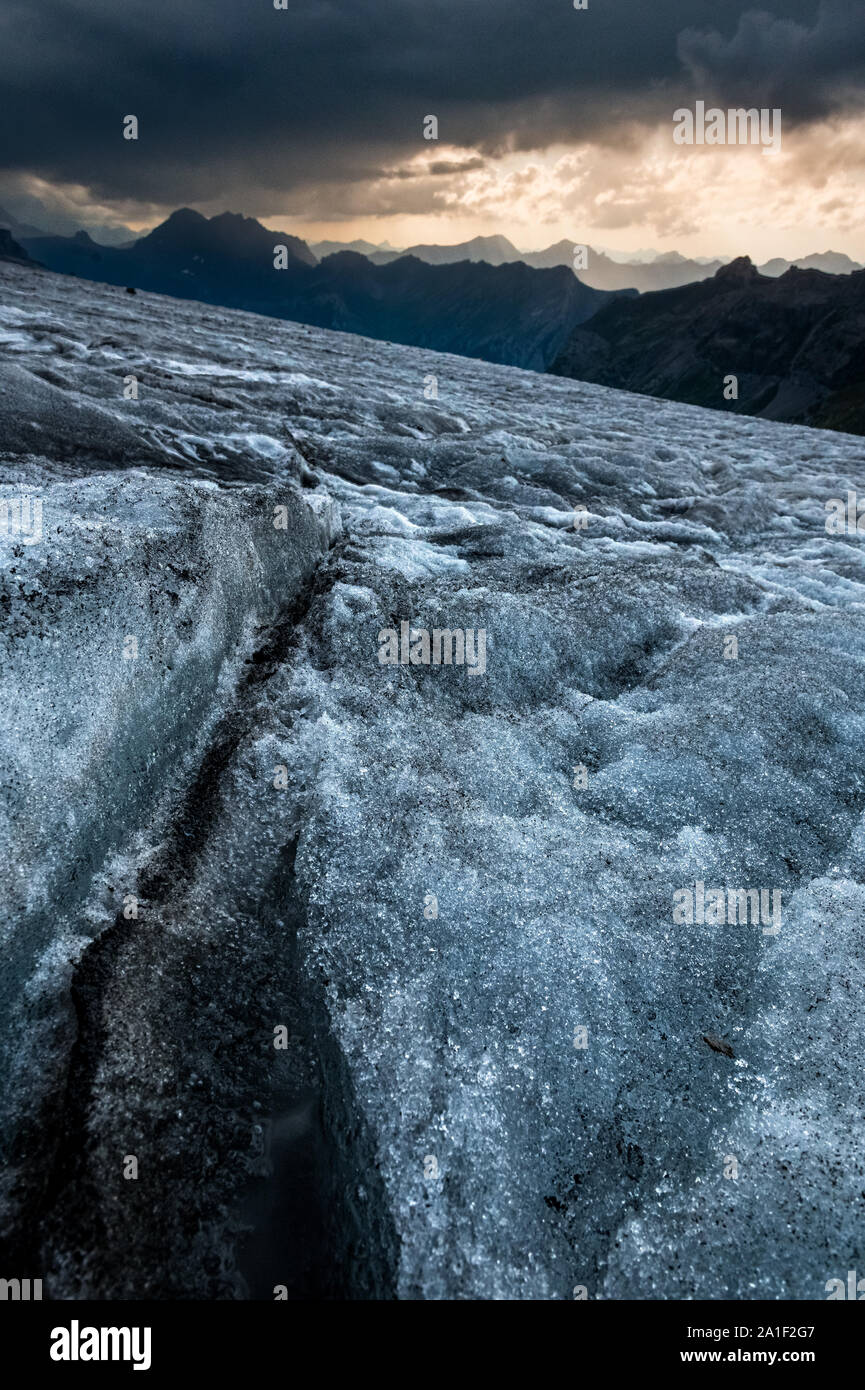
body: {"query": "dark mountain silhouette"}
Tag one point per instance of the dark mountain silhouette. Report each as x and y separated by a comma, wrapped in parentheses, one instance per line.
(227, 236)
(11, 251)
(509, 314)
(602, 272)
(796, 345)
(228, 255)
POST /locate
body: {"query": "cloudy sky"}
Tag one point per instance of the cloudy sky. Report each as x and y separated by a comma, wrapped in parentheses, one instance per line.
(553, 122)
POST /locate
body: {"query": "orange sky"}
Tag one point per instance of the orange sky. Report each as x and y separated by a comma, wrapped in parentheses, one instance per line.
(701, 201)
(640, 190)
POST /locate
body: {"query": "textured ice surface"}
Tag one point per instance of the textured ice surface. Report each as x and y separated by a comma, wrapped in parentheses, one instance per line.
(124, 628)
(475, 1150)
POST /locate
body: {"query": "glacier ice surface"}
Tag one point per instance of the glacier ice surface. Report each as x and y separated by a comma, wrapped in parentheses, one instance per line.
(401, 860)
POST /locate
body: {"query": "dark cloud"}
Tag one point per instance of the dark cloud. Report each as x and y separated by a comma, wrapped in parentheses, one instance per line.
(242, 105)
(455, 166)
(810, 72)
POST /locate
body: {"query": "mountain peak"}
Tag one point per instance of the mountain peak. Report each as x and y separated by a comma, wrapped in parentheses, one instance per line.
(179, 229)
(742, 268)
(233, 219)
(226, 235)
(184, 217)
(496, 240)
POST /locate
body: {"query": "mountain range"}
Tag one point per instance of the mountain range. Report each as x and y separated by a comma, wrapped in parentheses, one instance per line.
(603, 272)
(510, 314)
(792, 337)
(644, 270)
(55, 224)
(795, 344)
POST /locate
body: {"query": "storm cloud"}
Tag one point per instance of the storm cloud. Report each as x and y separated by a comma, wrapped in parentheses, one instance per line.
(239, 102)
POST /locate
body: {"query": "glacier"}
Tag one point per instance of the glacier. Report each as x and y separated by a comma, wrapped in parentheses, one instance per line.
(373, 969)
